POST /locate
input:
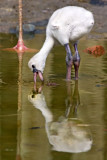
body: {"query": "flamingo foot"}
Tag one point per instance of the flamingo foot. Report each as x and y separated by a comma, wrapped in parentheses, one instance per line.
(20, 46)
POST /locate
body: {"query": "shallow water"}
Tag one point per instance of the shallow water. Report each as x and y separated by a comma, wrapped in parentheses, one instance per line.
(66, 121)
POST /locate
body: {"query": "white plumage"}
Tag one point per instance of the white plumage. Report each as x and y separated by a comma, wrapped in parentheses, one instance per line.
(70, 24)
(66, 24)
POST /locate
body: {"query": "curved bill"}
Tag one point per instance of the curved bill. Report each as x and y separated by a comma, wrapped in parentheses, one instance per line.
(37, 72)
(40, 76)
(35, 76)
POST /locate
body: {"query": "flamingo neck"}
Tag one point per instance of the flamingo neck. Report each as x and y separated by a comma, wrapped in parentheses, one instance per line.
(47, 46)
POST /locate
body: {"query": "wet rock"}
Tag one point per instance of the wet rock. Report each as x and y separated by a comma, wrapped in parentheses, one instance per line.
(40, 31)
(97, 2)
(41, 23)
(96, 51)
(28, 35)
(99, 85)
(27, 28)
(12, 30)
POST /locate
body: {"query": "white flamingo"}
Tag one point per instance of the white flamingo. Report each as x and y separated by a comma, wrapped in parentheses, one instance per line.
(66, 24)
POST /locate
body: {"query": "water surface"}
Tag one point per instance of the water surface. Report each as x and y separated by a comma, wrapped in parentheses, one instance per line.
(67, 121)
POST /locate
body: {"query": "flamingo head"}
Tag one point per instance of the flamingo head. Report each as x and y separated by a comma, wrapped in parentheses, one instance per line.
(37, 65)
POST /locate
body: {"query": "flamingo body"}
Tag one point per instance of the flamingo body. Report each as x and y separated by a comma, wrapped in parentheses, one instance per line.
(70, 24)
(66, 24)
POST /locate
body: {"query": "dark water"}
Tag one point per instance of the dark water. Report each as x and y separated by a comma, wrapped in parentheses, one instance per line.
(67, 121)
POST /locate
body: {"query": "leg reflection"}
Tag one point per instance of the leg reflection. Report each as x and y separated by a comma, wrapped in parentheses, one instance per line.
(67, 134)
(72, 101)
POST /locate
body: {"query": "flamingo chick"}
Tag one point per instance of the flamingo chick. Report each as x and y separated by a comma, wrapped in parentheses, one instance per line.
(66, 24)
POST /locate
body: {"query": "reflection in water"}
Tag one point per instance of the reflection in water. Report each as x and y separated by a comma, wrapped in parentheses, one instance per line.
(72, 101)
(32, 142)
(20, 56)
(65, 134)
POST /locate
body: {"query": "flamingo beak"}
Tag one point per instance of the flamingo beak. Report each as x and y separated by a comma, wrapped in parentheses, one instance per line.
(40, 76)
(35, 76)
(36, 73)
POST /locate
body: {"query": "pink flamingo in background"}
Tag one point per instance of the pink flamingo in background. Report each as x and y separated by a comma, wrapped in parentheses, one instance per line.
(20, 45)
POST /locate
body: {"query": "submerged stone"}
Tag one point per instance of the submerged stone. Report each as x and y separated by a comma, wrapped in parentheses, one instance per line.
(27, 28)
(41, 23)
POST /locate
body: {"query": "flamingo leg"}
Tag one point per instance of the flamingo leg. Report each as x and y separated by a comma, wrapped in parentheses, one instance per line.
(69, 61)
(76, 61)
